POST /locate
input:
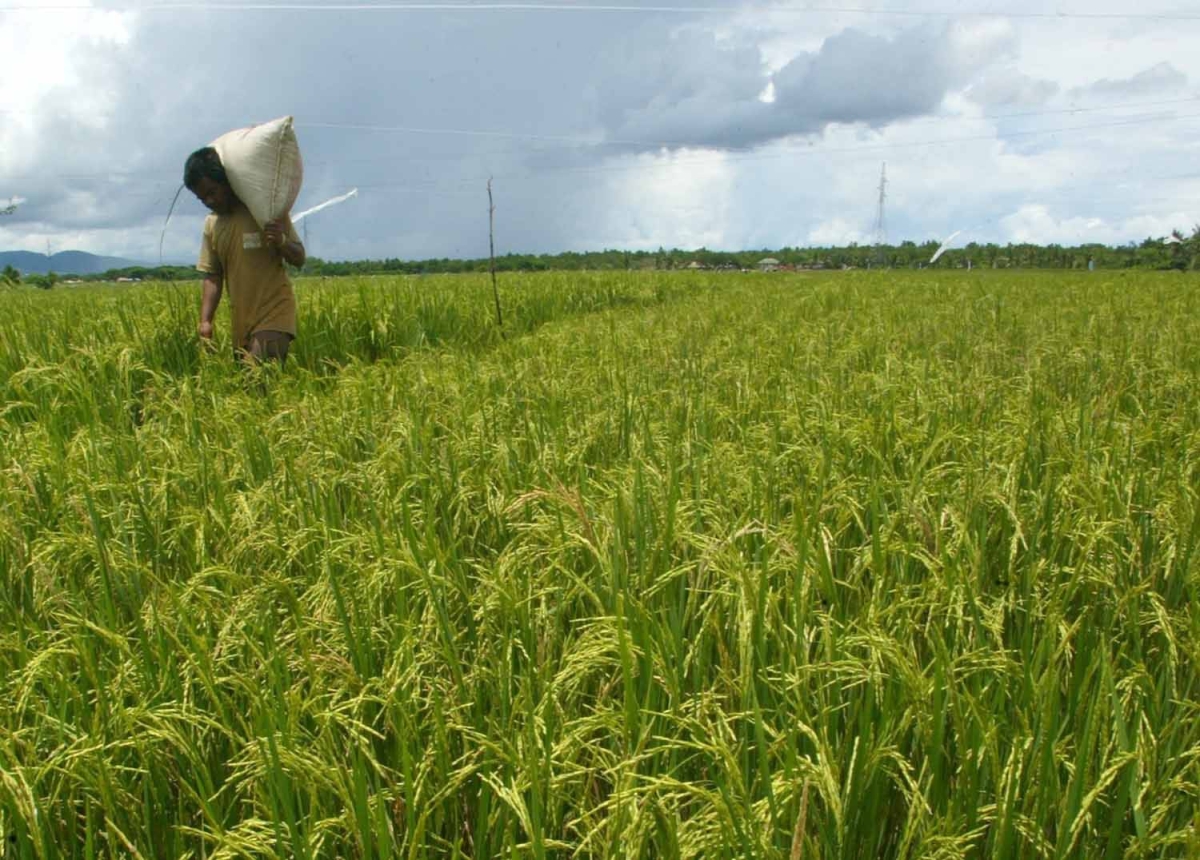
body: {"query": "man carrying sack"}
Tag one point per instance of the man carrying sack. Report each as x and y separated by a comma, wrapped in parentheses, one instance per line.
(248, 237)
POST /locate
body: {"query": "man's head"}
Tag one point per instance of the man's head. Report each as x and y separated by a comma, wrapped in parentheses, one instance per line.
(205, 177)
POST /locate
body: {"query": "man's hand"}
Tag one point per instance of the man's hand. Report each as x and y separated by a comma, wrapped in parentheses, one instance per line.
(275, 233)
(205, 330)
(210, 298)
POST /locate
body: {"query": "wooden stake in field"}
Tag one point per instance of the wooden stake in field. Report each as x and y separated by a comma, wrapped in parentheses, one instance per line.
(492, 255)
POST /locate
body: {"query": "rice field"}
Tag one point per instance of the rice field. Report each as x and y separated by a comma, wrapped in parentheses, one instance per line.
(853, 565)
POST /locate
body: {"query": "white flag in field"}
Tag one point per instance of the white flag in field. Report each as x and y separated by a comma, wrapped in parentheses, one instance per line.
(353, 192)
(941, 250)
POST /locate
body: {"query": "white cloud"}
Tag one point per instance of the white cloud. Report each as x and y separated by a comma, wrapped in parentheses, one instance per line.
(1159, 81)
(690, 190)
(1008, 87)
(47, 45)
(837, 231)
(694, 86)
(1036, 223)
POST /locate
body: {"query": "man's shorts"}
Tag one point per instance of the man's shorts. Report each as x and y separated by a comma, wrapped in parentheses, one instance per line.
(268, 345)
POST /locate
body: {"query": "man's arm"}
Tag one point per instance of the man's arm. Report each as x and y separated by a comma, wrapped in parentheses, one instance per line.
(291, 249)
(210, 266)
(293, 252)
(210, 298)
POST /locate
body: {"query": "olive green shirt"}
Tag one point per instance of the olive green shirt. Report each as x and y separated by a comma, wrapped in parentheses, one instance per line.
(260, 292)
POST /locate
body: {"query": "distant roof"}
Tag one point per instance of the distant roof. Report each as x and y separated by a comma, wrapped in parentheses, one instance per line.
(768, 261)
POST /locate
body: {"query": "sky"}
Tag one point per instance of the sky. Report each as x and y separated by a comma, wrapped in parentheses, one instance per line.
(718, 124)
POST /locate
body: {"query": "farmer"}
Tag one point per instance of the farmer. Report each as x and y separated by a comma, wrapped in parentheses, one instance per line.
(249, 261)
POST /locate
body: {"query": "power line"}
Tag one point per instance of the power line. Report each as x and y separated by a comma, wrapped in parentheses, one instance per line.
(592, 141)
(586, 140)
(601, 8)
(1067, 195)
(792, 152)
(1078, 194)
(787, 152)
(1063, 192)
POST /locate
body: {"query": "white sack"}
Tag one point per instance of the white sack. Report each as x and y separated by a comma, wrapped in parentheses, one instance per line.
(264, 167)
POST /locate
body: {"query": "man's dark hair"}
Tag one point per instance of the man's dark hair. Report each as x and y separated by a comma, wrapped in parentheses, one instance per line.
(203, 164)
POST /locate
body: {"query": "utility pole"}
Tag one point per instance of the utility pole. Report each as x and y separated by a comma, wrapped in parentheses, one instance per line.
(492, 256)
(880, 223)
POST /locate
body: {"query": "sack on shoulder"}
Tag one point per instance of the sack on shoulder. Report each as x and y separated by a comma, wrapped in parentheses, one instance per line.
(264, 167)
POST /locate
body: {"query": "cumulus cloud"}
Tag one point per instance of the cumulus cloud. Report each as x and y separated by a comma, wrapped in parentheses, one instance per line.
(860, 77)
(1038, 223)
(692, 89)
(837, 231)
(1158, 80)
(1009, 87)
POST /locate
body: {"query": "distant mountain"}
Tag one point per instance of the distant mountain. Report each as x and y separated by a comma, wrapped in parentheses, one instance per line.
(62, 263)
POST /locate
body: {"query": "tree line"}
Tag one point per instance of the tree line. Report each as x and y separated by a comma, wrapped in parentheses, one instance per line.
(1174, 252)
(1177, 251)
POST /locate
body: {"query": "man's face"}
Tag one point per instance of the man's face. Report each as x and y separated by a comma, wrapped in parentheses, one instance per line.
(217, 196)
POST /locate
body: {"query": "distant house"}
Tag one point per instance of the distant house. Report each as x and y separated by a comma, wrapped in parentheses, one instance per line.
(768, 264)
(696, 265)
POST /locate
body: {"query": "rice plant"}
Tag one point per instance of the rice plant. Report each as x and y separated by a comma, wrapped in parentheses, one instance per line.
(856, 565)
